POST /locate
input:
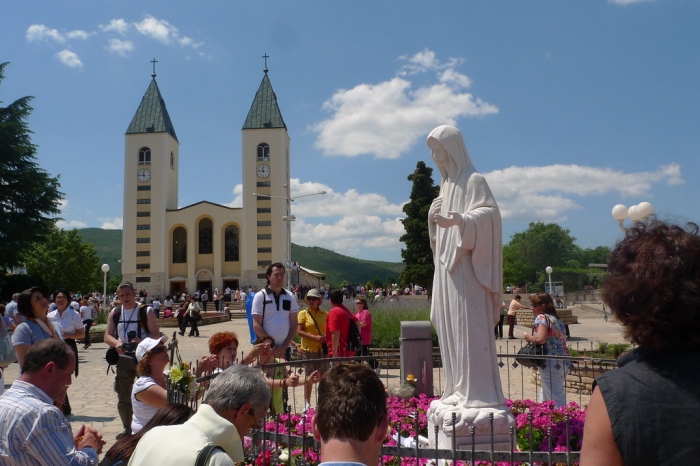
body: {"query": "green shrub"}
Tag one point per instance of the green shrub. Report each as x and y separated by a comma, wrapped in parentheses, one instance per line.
(101, 318)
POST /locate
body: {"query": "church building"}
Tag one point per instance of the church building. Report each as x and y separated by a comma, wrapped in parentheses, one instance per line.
(167, 249)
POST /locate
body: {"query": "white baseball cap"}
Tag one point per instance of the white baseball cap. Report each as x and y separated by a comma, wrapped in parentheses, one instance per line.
(147, 344)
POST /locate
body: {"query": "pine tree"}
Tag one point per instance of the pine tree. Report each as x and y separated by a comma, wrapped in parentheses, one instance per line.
(29, 197)
(418, 256)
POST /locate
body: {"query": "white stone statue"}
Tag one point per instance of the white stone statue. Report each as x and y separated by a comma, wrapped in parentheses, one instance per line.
(465, 234)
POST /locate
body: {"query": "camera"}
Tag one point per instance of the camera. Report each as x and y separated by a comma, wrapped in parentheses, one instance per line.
(131, 346)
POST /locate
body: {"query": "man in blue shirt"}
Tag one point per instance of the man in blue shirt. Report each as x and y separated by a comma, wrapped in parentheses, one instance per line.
(33, 431)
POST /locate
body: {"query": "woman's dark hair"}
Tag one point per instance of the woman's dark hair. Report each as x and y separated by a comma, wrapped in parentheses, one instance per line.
(24, 302)
(546, 299)
(653, 285)
(65, 293)
(169, 415)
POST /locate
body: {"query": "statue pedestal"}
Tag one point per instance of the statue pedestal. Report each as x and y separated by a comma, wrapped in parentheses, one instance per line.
(457, 429)
(501, 442)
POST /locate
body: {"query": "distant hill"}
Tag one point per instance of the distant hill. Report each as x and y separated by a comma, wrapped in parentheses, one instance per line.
(337, 267)
(108, 244)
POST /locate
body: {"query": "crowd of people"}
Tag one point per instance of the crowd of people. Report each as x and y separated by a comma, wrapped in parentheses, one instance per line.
(653, 275)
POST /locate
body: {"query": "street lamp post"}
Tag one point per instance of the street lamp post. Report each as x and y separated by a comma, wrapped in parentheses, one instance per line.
(636, 213)
(105, 269)
(289, 218)
(549, 271)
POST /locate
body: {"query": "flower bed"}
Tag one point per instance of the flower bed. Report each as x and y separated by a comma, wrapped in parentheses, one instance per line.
(537, 425)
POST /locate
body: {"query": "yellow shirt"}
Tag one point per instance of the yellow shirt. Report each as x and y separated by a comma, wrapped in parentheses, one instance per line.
(306, 324)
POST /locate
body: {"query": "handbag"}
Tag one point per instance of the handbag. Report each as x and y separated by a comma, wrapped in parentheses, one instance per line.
(532, 349)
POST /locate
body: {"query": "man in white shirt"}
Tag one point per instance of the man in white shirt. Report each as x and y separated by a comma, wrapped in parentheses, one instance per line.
(275, 311)
(131, 327)
(11, 310)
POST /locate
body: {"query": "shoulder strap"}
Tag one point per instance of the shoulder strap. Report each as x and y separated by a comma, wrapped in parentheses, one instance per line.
(315, 323)
(206, 452)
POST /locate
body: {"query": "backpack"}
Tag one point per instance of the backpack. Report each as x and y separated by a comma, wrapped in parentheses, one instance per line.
(112, 355)
(143, 318)
(249, 316)
(354, 338)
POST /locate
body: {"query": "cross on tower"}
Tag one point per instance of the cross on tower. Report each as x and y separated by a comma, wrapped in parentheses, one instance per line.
(154, 61)
(266, 56)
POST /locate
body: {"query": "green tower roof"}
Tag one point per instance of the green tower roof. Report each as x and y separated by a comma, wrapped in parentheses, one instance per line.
(264, 113)
(152, 115)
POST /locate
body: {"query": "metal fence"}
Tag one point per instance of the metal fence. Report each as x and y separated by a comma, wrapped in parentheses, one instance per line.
(286, 438)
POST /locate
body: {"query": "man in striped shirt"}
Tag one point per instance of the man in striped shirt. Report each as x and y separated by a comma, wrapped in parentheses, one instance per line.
(33, 431)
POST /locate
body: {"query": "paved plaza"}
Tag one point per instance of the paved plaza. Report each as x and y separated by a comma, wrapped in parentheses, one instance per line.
(94, 403)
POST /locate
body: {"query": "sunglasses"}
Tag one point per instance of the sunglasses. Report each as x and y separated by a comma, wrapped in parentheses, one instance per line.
(158, 350)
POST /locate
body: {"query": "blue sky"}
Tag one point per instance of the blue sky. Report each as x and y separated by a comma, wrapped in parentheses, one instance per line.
(567, 108)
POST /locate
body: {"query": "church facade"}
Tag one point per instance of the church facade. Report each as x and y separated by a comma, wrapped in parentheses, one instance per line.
(167, 249)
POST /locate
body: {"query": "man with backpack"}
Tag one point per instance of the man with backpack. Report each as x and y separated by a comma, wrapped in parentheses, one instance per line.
(274, 312)
(127, 325)
(342, 334)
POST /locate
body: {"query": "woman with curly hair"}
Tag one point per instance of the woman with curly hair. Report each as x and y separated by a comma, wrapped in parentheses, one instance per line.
(647, 411)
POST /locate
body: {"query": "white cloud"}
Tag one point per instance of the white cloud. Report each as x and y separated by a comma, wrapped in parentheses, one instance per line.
(115, 223)
(116, 25)
(71, 224)
(388, 118)
(120, 47)
(548, 193)
(163, 31)
(350, 234)
(79, 34)
(69, 58)
(40, 32)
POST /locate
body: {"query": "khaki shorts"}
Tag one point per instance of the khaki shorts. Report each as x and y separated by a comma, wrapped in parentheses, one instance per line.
(322, 367)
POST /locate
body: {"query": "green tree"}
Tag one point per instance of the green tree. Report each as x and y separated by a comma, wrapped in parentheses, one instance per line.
(377, 282)
(530, 251)
(63, 260)
(29, 196)
(418, 256)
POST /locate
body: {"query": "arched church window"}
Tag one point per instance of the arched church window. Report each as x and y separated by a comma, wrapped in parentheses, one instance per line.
(179, 246)
(172, 160)
(206, 236)
(144, 156)
(231, 244)
(263, 152)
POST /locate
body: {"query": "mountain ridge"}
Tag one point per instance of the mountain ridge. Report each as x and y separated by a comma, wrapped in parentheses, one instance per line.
(336, 266)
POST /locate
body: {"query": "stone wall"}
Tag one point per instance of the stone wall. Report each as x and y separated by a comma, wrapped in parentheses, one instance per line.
(581, 376)
(526, 318)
